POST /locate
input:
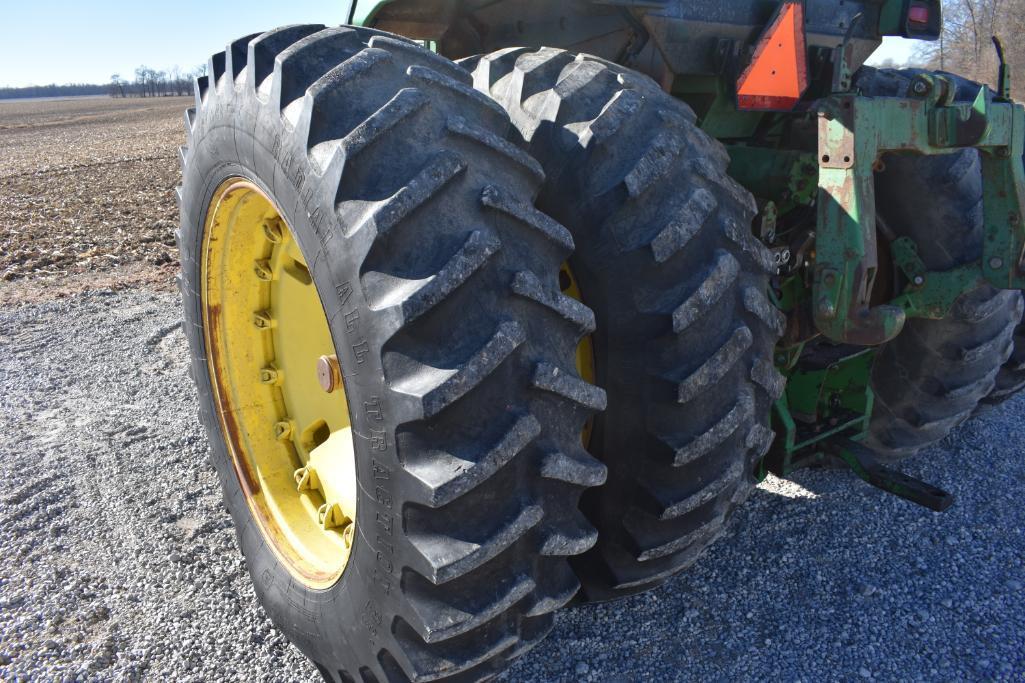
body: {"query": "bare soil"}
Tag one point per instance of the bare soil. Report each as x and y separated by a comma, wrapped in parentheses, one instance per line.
(87, 195)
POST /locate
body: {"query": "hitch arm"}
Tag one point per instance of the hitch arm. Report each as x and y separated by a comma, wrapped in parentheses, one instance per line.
(863, 462)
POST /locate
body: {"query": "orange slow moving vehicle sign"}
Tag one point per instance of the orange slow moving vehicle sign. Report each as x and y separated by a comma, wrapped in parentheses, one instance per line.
(778, 73)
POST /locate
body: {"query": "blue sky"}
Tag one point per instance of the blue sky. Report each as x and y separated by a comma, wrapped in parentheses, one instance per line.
(85, 41)
(900, 50)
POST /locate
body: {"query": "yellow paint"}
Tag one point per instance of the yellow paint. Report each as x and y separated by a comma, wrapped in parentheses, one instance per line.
(265, 329)
(585, 349)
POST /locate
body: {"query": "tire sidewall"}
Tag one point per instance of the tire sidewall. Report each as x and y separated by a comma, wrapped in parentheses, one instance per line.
(350, 618)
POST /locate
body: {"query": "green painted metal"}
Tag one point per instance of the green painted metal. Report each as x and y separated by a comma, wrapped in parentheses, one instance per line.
(891, 18)
(820, 403)
(854, 132)
(712, 99)
(931, 294)
(788, 177)
(362, 11)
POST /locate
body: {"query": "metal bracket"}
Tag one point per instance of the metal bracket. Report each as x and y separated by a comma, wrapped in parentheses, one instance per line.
(864, 463)
(931, 294)
(854, 132)
(1003, 73)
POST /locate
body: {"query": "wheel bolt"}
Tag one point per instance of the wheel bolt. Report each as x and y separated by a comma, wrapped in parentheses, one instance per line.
(328, 374)
(263, 271)
(282, 430)
(263, 320)
(330, 516)
(306, 479)
(270, 375)
(272, 231)
(347, 535)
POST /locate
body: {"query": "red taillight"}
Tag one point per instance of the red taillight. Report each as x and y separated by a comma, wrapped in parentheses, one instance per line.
(918, 15)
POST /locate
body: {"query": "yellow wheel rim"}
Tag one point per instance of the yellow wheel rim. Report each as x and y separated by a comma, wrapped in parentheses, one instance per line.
(271, 361)
(585, 349)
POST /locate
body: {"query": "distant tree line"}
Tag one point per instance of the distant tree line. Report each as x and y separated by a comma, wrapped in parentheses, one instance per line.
(155, 83)
(74, 90)
(146, 82)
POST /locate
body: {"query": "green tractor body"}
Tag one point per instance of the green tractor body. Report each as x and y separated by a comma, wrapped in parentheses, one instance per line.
(813, 151)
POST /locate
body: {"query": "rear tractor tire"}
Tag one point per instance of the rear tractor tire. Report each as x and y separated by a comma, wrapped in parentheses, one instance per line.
(678, 283)
(353, 216)
(932, 377)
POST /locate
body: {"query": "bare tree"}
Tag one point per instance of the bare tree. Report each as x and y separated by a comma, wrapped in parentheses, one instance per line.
(177, 81)
(117, 86)
(966, 47)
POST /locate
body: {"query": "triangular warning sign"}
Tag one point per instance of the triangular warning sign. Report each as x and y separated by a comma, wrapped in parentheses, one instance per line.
(778, 73)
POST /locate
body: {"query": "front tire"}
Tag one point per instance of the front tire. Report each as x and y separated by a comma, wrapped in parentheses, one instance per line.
(439, 282)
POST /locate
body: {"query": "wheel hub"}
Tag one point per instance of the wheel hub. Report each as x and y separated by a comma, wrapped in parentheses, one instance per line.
(280, 396)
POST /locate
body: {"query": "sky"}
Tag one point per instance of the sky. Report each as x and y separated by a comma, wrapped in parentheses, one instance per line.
(86, 41)
(900, 50)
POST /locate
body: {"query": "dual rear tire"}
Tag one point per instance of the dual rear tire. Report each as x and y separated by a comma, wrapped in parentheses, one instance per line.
(666, 259)
(414, 221)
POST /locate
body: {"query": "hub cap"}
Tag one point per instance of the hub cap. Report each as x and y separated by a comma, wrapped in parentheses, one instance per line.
(280, 396)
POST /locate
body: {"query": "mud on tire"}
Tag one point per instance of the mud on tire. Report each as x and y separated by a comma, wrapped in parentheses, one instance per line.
(440, 282)
(666, 259)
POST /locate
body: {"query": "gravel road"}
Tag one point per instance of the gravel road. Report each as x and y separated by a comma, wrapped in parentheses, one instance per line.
(117, 560)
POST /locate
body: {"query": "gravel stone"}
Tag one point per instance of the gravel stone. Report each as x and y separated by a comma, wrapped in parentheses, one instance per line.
(118, 560)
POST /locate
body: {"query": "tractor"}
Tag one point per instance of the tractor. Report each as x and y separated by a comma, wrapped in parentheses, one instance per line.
(500, 305)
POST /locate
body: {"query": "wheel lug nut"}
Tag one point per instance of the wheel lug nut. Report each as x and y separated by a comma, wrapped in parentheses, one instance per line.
(263, 271)
(270, 375)
(328, 374)
(263, 320)
(272, 231)
(282, 430)
(347, 535)
(306, 479)
(331, 516)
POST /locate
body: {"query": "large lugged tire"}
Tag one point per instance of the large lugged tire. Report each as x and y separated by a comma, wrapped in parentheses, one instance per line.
(1011, 378)
(440, 282)
(685, 335)
(934, 374)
